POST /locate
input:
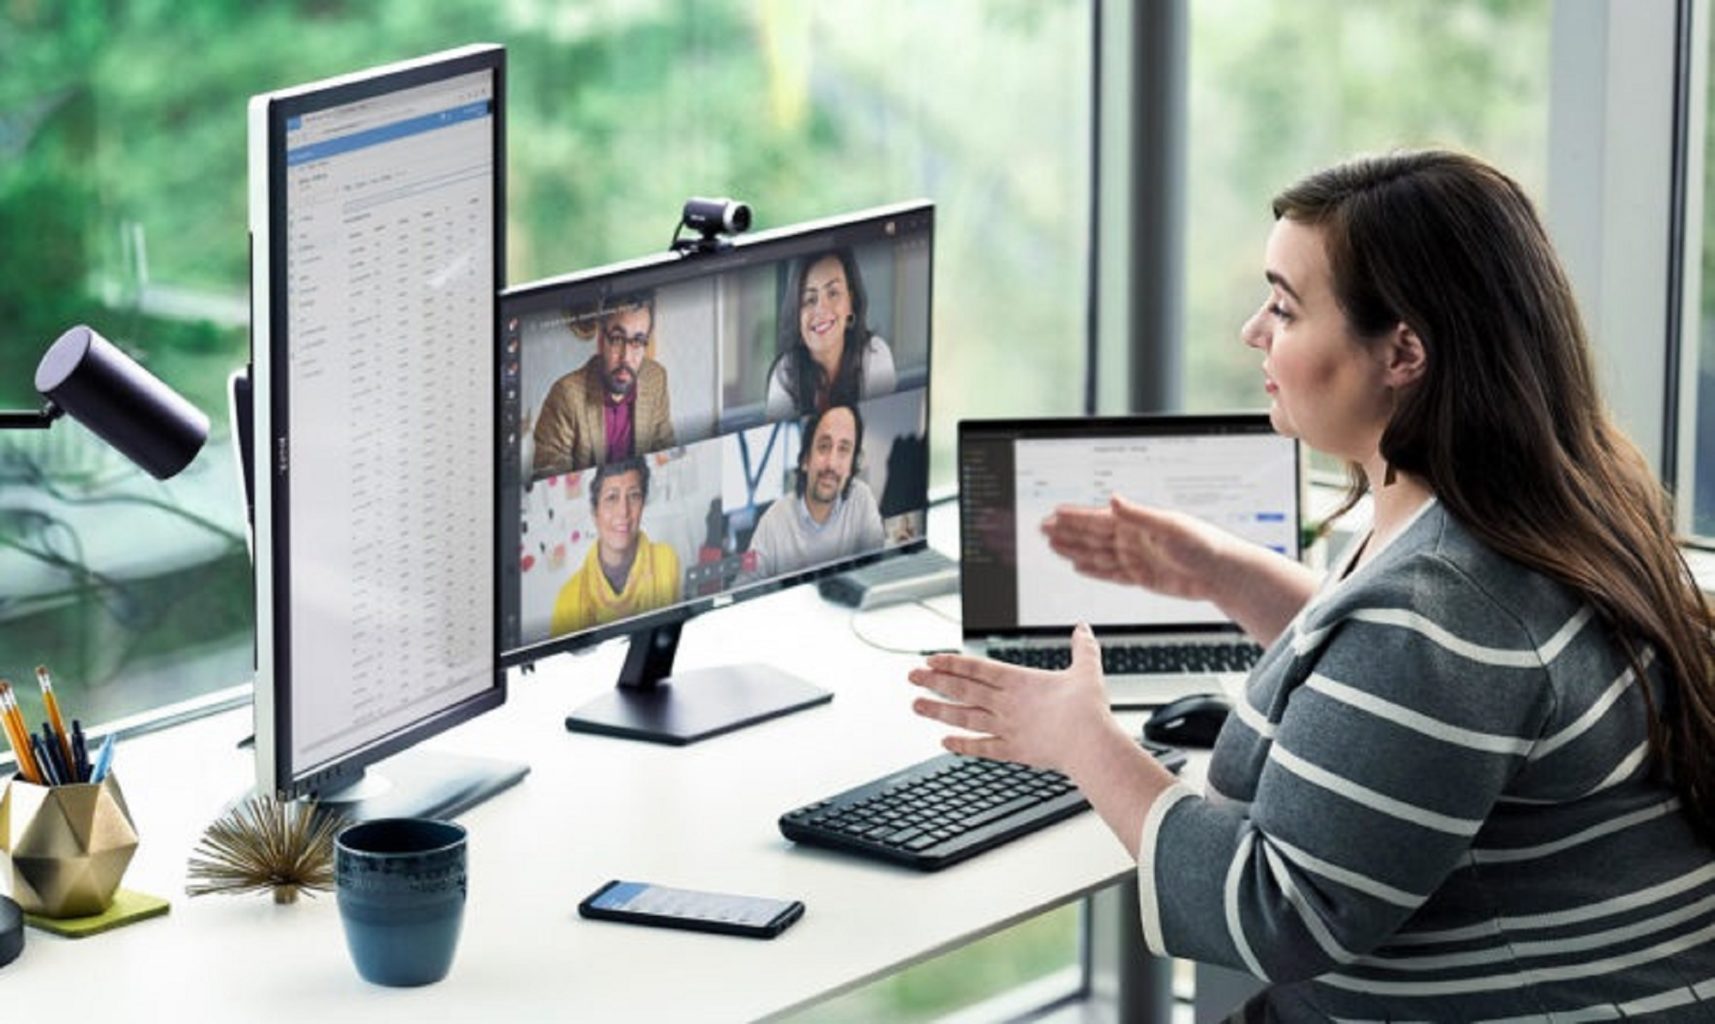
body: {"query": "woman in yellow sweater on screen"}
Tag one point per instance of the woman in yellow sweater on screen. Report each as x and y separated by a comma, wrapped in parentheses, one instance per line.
(624, 573)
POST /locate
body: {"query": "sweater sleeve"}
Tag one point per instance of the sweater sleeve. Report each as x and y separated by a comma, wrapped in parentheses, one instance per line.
(1410, 712)
(765, 543)
(871, 533)
(556, 430)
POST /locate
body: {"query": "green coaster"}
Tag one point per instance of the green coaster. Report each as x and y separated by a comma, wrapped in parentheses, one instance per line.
(128, 906)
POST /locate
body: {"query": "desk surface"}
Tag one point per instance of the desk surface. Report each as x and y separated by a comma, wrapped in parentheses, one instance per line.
(592, 808)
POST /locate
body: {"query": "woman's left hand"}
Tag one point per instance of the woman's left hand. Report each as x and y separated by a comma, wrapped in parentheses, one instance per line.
(1020, 714)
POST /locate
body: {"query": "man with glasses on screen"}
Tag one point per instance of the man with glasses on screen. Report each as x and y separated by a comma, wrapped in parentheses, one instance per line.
(832, 513)
(615, 405)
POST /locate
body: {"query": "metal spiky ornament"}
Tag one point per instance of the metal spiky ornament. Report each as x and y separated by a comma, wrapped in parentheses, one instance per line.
(266, 845)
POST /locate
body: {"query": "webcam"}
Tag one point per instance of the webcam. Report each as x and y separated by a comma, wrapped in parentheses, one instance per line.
(711, 219)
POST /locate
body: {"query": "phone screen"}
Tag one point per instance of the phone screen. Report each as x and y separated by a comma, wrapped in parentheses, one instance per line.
(663, 901)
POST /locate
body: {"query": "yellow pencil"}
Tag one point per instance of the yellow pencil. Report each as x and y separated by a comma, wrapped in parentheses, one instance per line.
(12, 738)
(15, 734)
(54, 718)
(14, 718)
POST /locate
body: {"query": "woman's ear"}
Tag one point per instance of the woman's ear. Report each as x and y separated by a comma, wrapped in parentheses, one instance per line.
(1404, 359)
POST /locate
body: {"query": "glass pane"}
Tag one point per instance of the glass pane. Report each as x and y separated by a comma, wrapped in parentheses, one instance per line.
(1021, 954)
(123, 195)
(1278, 90)
(1703, 442)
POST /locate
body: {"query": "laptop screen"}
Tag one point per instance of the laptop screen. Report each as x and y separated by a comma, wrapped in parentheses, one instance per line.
(1233, 471)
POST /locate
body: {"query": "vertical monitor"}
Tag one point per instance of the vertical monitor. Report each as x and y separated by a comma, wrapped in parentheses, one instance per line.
(377, 220)
(685, 431)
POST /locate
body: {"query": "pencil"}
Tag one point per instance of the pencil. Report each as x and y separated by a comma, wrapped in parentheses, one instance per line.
(17, 735)
(54, 718)
(11, 733)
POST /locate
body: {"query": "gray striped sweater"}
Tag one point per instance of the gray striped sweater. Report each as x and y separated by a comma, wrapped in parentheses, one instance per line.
(1434, 803)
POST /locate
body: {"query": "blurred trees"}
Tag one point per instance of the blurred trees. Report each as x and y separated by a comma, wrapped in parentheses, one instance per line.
(1279, 89)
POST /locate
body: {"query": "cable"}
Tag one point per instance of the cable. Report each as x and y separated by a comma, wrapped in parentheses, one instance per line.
(852, 624)
(926, 606)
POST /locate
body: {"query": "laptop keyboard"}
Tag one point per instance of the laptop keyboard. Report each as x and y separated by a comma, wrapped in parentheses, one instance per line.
(944, 810)
(1142, 659)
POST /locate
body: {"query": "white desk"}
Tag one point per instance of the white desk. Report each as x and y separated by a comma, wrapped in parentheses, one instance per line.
(591, 809)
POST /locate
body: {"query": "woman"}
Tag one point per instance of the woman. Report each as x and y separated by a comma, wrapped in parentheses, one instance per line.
(1444, 795)
(623, 573)
(828, 354)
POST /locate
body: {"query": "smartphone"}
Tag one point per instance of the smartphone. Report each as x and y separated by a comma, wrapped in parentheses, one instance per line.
(642, 903)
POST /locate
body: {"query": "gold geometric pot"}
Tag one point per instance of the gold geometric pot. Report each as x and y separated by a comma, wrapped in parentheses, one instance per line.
(69, 845)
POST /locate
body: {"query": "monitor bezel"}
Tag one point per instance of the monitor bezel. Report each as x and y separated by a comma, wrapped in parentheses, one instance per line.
(765, 246)
(1141, 425)
(277, 771)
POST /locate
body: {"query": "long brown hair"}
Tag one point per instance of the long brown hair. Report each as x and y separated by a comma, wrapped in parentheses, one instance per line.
(1506, 425)
(805, 380)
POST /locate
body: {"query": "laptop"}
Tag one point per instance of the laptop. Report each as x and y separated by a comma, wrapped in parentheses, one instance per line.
(1020, 600)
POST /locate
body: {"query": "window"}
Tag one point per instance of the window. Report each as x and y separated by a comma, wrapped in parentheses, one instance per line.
(123, 195)
(1699, 518)
(1278, 90)
(123, 166)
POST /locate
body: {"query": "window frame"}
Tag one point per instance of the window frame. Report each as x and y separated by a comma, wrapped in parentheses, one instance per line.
(1691, 126)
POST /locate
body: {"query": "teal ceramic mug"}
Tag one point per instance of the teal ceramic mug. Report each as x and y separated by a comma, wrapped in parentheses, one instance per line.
(400, 883)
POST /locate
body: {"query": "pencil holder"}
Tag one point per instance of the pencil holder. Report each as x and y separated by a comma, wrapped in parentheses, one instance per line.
(69, 845)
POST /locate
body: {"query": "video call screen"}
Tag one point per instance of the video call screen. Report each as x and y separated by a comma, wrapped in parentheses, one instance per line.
(681, 428)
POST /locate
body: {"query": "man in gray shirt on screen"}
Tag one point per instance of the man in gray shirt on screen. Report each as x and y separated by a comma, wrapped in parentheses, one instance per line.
(832, 514)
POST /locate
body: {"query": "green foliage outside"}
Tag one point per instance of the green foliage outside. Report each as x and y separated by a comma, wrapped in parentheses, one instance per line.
(123, 200)
(1279, 89)
(1703, 440)
(1023, 953)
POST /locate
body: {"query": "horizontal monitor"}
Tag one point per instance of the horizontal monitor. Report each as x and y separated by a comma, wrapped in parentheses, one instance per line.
(684, 431)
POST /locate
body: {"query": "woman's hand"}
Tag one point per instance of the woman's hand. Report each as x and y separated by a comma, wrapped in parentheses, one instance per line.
(1039, 718)
(1168, 552)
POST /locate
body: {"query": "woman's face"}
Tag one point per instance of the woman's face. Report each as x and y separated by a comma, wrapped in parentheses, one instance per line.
(1328, 387)
(618, 513)
(824, 307)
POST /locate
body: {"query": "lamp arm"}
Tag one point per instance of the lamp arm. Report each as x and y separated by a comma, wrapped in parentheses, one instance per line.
(38, 420)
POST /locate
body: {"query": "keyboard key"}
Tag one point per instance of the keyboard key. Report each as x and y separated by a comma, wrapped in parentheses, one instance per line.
(999, 811)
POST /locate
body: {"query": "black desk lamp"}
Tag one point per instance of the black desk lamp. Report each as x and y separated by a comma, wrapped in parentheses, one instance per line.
(86, 375)
(128, 407)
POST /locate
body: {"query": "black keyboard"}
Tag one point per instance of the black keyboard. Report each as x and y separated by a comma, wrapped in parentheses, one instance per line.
(1134, 659)
(944, 810)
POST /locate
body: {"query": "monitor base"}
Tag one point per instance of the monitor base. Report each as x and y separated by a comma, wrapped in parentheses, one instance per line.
(422, 784)
(695, 705)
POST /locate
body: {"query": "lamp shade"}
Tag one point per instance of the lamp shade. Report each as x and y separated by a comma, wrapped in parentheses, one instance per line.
(122, 403)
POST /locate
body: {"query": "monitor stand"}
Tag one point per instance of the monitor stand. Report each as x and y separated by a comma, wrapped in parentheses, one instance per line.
(420, 783)
(654, 704)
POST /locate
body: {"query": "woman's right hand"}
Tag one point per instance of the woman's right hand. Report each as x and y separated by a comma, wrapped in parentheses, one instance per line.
(1170, 553)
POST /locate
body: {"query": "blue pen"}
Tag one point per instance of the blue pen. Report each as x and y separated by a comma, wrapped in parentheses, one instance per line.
(50, 772)
(51, 744)
(79, 752)
(103, 760)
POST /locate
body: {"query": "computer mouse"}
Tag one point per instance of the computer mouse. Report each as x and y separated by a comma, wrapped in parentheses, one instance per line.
(1192, 721)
